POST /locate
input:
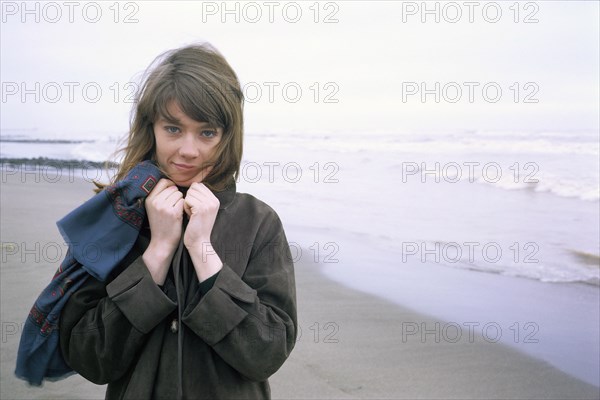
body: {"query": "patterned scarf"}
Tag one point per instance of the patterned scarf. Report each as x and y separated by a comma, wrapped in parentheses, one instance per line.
(100, 233)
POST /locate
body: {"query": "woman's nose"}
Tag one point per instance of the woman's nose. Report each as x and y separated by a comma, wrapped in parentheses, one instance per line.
(187, 146)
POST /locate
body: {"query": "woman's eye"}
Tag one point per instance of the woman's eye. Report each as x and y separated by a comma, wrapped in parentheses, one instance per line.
(209, 134)
(172, 129)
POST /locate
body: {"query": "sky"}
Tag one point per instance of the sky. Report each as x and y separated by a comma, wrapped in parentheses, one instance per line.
(69, 69)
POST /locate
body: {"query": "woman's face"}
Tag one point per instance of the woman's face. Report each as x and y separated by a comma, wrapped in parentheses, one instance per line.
(184, 145)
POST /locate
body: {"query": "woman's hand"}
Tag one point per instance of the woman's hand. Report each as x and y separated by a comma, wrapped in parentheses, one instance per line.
(164, 206)
(201, 206)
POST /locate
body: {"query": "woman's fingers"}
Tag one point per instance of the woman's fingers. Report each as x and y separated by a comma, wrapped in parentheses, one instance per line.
(165, 195)
(164, 207)
(199, 192)
(162, 184)
(202, 206)
(199, 199)
(172, 197)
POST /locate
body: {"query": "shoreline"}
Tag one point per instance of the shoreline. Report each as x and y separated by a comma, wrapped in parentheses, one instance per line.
(373, 357)
(553, 322)
(380, 355)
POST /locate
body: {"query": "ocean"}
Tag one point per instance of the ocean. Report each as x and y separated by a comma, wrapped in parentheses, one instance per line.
(522, 204)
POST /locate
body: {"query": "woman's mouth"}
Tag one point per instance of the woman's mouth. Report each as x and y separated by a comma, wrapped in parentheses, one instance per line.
(183, 167)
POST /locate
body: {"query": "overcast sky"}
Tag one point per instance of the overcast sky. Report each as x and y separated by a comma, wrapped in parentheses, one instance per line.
(330, 66)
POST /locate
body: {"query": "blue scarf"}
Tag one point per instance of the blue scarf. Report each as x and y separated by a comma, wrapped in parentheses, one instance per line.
(100, 233)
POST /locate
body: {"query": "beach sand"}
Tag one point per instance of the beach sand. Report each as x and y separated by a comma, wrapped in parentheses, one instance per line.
(351, 344)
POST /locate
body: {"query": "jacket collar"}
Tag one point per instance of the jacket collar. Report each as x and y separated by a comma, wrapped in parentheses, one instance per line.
(226, 196)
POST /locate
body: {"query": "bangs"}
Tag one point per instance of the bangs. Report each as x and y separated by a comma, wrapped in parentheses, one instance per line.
(196, 101)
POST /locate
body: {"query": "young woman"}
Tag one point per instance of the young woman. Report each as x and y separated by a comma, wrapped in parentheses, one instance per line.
(204, 304)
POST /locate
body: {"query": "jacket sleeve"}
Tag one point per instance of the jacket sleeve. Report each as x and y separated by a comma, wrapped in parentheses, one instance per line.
(250, 321)
(103, 327)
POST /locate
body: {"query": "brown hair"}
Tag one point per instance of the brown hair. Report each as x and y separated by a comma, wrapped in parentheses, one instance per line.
(199, 79)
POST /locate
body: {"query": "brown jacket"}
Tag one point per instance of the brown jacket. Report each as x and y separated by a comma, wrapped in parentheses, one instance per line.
(185, 339)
